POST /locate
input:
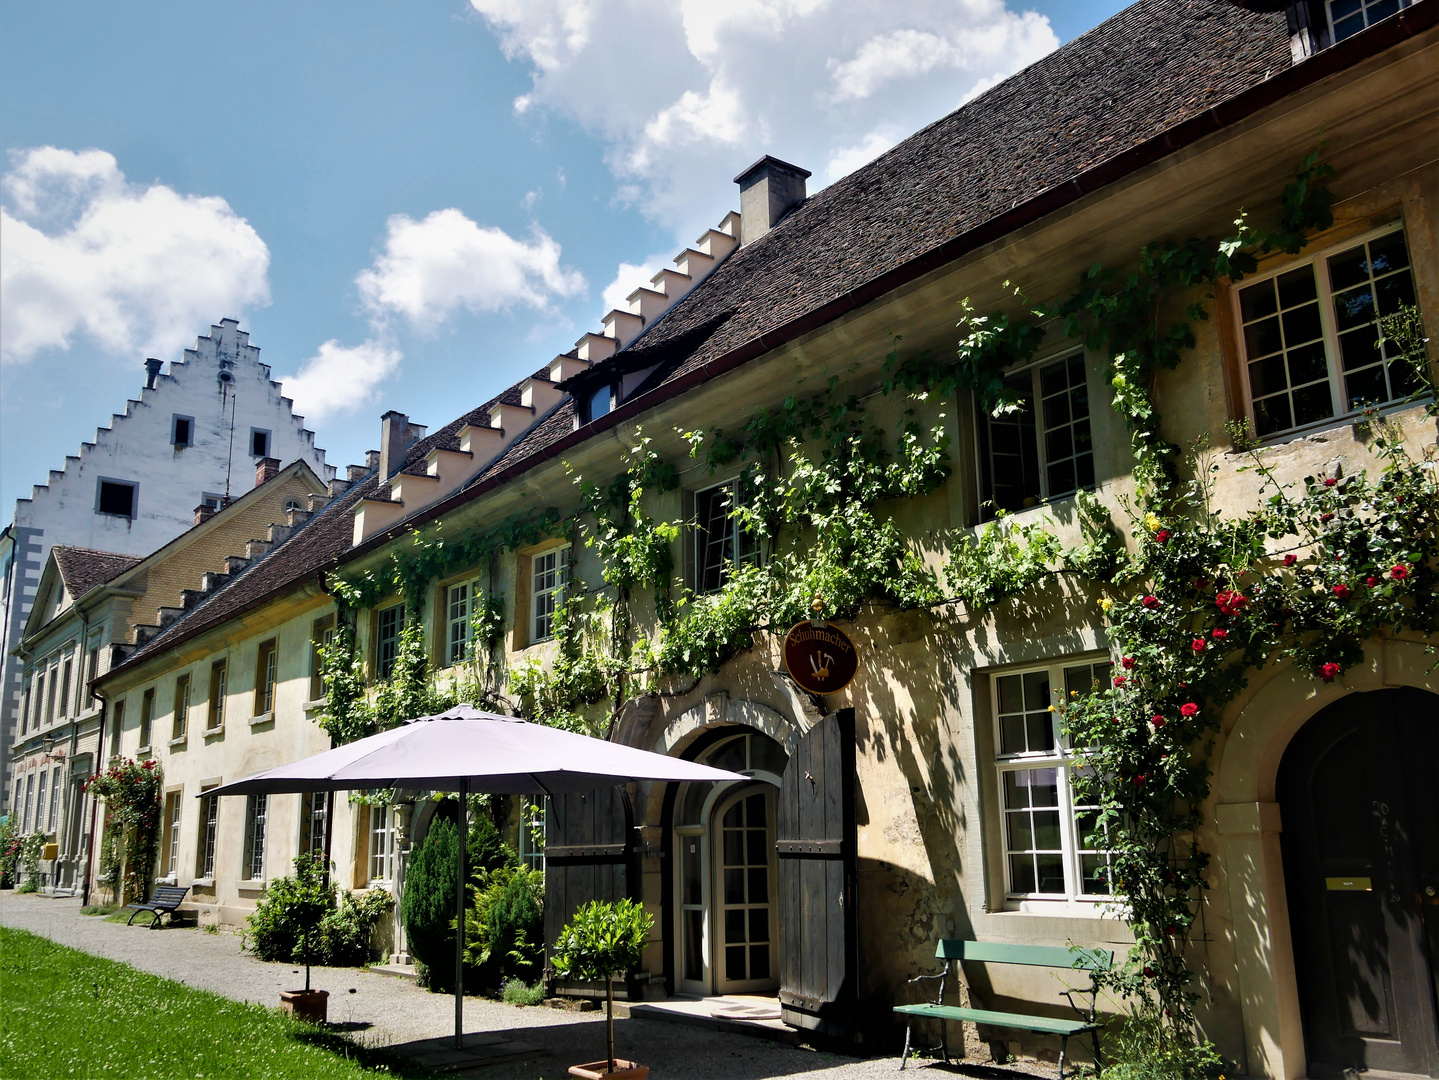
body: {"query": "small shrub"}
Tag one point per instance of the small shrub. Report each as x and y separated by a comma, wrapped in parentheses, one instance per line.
(346, 931)
(96, 909)
(505, 926)
(518, 992)
(484, 849)
(9, 853)
(1140, 1048)
(428, 904)
(341, 936)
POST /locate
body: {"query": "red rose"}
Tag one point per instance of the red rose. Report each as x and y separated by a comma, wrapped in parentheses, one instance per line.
(1291, 559)
(1188, 709)
(1329, 481)
(1371, 581)
(1128, 663)
(1219, 635)
(1399, 573)
(1149, 973)
(1150, 601)
(1198, 644)
(1328, 671)
(1231, 602)
(1326, 517)
(1201, 583)
(1120, 680)
(1140, 778)
(1341, 590)
(1157, 721)
(1162, 536)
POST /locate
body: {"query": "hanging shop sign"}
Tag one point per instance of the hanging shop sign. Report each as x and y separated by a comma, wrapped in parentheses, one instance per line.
(820, 657)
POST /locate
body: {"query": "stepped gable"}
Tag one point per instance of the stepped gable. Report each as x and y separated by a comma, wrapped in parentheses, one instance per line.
(82, 569)
(1141, 73)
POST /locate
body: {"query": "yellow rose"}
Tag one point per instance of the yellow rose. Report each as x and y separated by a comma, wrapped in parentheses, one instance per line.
(1152, 523)
(1105, 604)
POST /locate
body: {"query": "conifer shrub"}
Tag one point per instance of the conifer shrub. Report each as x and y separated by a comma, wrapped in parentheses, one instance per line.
(428, 904)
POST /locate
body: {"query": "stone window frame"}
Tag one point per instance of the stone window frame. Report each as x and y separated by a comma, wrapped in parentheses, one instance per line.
(257, 816)
(269, 442)
(176, 419)
(133, 485)
(545, 599)
(709, 565)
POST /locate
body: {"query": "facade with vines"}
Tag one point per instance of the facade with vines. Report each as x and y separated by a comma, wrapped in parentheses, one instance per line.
(1102, 425)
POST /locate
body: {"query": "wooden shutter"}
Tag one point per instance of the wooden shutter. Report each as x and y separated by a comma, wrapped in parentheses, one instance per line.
(589, 847)
(818, 923)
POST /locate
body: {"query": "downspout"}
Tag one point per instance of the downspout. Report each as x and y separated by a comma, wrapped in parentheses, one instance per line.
(94, 801)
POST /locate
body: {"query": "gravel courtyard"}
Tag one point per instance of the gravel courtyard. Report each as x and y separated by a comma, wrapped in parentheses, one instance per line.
(383, 1010)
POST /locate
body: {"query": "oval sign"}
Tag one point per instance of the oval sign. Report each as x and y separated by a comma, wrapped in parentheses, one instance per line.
(820, 657)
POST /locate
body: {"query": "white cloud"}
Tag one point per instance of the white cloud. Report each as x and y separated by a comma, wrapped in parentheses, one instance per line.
(341, 378)
(136, 268)
(848, 158)
(431, 270)
(684, 93)
(628, 278)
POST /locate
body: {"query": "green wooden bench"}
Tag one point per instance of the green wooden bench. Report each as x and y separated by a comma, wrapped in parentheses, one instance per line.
(1049, 956)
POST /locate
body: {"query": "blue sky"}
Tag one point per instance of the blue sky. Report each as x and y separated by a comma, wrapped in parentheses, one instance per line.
(411, 205)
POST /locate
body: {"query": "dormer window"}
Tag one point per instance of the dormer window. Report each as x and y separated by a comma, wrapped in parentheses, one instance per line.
(1348, 17)
(598, 402)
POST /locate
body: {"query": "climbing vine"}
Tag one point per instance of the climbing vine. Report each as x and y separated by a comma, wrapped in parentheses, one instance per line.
(132, 792)
(1194, 601)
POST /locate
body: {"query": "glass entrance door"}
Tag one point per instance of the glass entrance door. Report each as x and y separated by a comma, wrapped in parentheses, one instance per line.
(744, 880)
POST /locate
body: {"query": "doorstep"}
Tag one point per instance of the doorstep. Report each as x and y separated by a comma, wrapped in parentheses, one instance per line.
(738, 1014)
(398, 971)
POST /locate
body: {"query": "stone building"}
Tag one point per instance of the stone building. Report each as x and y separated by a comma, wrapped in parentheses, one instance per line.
(94, 607)
(955, 817)
(191, 435)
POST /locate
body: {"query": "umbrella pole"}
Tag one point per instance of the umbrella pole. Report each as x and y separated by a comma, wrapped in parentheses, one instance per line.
(460, 920)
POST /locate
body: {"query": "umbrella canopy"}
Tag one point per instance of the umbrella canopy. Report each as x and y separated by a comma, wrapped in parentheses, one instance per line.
(470, 751)
(476, 751)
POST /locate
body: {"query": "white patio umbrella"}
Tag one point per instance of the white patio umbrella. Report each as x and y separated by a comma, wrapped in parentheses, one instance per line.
(469, 751)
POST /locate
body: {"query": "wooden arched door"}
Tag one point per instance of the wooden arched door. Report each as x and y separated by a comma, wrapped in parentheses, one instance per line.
(1358, 790)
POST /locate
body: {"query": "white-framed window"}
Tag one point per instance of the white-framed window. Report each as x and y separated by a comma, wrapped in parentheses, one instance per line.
(457, 621)
(382, 844)
(314, 813)
(721, 541)
(174, 801)
(388, 623)
(322, 633)
(1309, 332)
(53, 817)
(257, 809)
(205, 842)
(67, 668)
(1046, 852)
(219, 687)
(92, 669)
(147, 715)
(1043, 449)
(40, 802)
(29, 804)
(550, 574)
(181, 724)
(267, 663)
(1348, 17)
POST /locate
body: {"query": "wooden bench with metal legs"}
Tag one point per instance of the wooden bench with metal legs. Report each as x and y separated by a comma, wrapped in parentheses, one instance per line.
(166, 899)
(1050, 956)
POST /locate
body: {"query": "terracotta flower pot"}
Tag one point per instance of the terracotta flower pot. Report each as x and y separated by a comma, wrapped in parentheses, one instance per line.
(309, 1005)
(624, 1070)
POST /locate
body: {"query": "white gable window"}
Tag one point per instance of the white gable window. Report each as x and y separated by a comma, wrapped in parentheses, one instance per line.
(1310, 334)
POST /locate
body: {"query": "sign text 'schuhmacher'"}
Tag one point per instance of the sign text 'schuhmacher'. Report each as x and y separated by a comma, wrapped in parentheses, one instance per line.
(820, 657)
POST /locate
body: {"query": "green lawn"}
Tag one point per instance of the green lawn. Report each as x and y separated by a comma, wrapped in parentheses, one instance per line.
(64, 1013)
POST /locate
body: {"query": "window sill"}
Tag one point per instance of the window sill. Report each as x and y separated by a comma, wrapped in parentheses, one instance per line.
(142, 750)
(254, 885)
(171, 880)
(203, 883)
(210, 733)
(263, 718)
(181, 741)
(1331, 423)
(316, 705)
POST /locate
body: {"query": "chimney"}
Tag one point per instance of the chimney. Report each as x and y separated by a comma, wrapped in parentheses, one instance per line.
(152, 372)
(372, 460)
(266, 469)
(394, 441)
(203, 513)
(768, 189)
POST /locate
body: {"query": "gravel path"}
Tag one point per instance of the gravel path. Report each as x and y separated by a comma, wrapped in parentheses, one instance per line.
(383, 1010)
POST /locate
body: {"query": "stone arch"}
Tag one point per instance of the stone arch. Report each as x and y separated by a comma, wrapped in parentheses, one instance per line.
(1246, 816)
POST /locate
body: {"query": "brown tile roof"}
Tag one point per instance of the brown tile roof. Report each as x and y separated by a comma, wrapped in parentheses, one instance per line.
(1104, 97)
(81, 569)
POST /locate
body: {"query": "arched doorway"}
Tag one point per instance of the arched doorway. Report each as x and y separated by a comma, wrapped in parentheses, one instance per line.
(1358, 790)
(726, 916)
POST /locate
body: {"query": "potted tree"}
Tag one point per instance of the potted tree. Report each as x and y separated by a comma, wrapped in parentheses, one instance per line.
(603, 940)
(305, 903)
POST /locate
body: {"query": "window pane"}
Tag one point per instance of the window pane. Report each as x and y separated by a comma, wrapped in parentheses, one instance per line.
(1021, 873)
(1065, 411)
(1009, 690)
(1371, 279)
(1009, 452)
